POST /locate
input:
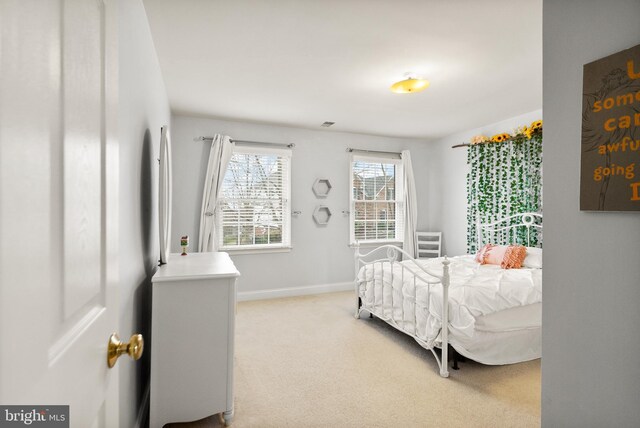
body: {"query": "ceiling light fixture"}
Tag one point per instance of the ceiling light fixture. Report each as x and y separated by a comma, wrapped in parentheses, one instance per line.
(410, 84)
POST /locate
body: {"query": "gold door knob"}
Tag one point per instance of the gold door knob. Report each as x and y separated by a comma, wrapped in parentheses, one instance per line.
(116, 348)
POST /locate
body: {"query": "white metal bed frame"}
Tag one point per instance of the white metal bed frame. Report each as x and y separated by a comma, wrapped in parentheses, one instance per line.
(502, 233)
(388, 255)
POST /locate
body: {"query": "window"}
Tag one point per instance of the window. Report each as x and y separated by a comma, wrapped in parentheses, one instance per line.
(254, 210)
(376, 199)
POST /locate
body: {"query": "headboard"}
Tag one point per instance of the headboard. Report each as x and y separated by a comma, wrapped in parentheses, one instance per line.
(524, 229)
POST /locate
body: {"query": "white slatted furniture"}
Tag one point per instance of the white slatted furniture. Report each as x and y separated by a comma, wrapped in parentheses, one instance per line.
(428, 244)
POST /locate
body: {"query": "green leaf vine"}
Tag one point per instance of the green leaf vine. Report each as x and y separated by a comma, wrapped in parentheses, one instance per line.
(505, 178)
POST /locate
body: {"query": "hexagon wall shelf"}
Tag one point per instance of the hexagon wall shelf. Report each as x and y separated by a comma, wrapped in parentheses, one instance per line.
(322, 215)
(322, 187)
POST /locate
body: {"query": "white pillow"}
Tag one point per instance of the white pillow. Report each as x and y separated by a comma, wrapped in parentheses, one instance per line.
(533, 259)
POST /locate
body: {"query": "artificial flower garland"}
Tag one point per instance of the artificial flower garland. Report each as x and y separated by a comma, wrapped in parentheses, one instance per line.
(503, 180)
(520, 135)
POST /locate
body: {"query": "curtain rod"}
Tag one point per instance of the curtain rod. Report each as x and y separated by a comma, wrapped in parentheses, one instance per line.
(291, 145)
(461, 145)
(351, 150)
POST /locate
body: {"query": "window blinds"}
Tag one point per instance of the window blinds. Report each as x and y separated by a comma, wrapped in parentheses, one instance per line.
(253, 208)
(376, 199)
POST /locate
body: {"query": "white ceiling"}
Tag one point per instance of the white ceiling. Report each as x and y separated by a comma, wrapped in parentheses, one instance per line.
(303, 62)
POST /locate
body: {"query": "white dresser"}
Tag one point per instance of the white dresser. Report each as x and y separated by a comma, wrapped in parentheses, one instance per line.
(192, 338)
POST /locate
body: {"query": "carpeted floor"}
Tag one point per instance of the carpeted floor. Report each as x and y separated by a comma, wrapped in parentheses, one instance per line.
(306, 362)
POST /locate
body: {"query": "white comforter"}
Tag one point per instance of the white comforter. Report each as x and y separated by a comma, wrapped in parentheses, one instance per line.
(475, 290)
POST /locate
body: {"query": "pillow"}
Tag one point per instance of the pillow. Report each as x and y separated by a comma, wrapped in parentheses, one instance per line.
(533, 259)
(507, 257)
(483, 253)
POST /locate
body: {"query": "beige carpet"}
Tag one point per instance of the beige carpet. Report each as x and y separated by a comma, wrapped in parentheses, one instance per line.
(306, 362)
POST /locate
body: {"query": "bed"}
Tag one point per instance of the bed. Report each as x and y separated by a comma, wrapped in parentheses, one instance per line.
(493, 315)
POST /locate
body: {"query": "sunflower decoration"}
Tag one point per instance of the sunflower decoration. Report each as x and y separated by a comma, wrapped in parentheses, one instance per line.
(520, 135)
(500, 138)
(535, 128)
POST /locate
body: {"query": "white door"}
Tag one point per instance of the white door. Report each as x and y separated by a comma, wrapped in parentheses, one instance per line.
(58, 206)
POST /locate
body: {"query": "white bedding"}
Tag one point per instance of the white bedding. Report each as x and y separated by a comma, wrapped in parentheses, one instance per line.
(484, 301)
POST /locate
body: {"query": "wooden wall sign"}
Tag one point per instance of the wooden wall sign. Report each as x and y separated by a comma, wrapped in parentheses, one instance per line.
(610, 161)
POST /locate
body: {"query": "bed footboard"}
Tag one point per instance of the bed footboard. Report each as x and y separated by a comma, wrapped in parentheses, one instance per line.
(383, 260)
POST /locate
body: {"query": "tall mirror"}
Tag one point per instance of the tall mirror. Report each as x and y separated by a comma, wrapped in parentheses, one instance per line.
(164, 199)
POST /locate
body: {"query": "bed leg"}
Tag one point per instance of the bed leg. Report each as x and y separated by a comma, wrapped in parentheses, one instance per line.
(444, 362)
(455, 356)
(370, 315)
(358, 306)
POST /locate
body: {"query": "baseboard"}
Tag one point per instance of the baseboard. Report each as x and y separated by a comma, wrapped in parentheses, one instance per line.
(143, 412)
(294, 291)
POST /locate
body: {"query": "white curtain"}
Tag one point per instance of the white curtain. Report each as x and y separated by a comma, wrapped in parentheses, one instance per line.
(219, 156)
(410, 205)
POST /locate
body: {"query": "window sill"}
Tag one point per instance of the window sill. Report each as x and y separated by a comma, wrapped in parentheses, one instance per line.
(255, 250)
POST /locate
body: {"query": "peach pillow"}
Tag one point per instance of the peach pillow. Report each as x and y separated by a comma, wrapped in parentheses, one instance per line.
(483, 253)
(495, 255)
(507, 257)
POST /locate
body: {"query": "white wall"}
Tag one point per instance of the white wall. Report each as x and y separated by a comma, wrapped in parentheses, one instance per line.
(590, 315)
(320, 255)
(143, 109)
(448, 201)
